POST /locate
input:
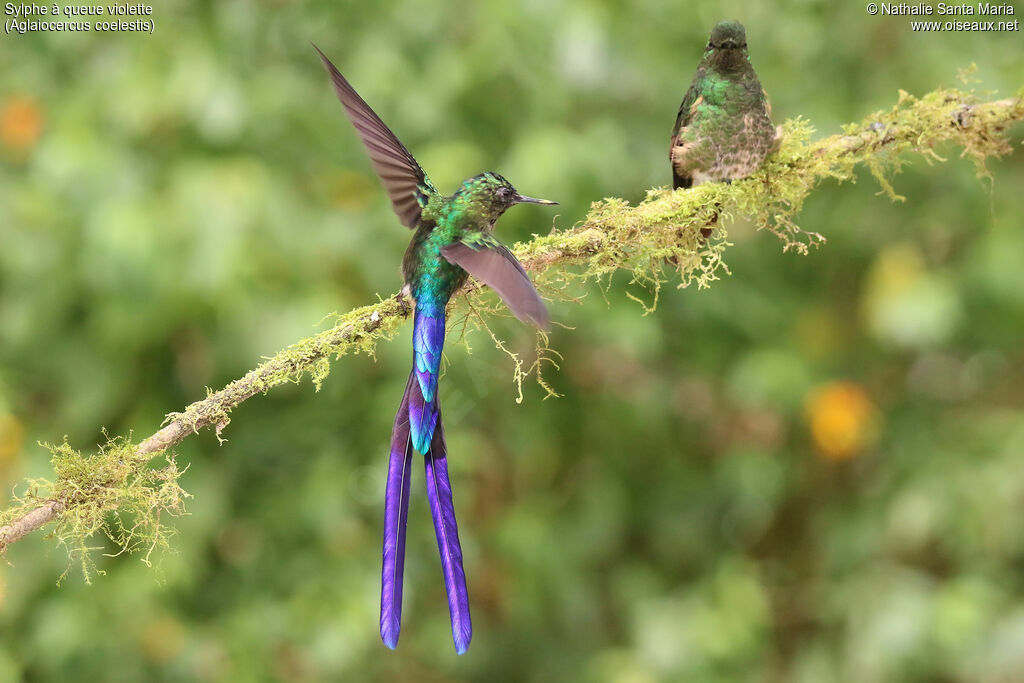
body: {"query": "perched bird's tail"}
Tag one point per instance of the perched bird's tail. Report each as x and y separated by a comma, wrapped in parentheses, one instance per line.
(687, 181)
(418, 426)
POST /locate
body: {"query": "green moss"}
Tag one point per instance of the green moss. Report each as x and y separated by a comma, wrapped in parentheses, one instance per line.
(357, 331)
(115, 492)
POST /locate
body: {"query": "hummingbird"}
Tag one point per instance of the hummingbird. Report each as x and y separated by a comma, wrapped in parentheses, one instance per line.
(724, 130)
(453, 238)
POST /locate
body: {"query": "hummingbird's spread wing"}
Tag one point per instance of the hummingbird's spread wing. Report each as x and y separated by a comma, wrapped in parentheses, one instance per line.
(489, 261)
(397, 168)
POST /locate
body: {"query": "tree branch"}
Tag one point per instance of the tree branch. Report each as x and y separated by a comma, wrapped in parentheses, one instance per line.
(613, 237)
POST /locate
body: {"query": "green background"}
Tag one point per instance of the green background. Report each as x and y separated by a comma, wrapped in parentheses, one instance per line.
(194, 200)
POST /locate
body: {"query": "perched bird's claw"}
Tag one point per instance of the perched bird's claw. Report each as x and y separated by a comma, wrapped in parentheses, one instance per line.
(404, 298)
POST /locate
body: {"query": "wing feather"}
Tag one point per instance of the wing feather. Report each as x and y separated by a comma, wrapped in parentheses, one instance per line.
(492, 263)
(401, 175)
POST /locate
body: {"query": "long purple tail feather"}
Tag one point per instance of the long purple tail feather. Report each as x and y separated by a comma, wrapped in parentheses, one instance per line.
(396, 514)
(439, 493)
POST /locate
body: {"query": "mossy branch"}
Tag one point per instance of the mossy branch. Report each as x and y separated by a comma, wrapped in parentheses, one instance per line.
(119, 482)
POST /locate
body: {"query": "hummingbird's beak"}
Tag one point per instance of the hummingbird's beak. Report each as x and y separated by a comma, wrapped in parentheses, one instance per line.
(523, 199)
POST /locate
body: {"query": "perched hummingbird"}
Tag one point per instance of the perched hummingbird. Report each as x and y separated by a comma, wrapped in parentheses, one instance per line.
(453, 237)
(724, 127)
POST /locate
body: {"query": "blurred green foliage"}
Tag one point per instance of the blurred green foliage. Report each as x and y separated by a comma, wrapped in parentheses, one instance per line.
(810, 472)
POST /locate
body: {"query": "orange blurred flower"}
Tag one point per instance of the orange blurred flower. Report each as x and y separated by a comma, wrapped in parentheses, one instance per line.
(842, 418)
(21, 122)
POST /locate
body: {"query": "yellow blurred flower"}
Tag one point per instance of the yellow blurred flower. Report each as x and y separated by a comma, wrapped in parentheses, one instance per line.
(11, 433)
(21, 122)
(842, 418)
(908, 304)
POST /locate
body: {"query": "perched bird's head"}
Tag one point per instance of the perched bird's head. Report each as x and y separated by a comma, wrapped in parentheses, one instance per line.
(490, 194)
(728, 35)
(727, 46)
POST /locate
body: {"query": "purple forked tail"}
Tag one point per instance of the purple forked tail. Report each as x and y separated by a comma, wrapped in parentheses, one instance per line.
(439, 493)
(396, 513)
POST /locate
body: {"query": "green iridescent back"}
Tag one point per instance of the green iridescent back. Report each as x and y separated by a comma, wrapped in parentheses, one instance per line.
(474, 208)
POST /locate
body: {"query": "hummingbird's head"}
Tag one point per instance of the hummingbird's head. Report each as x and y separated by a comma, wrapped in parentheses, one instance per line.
(491, 195)
(727, 46)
